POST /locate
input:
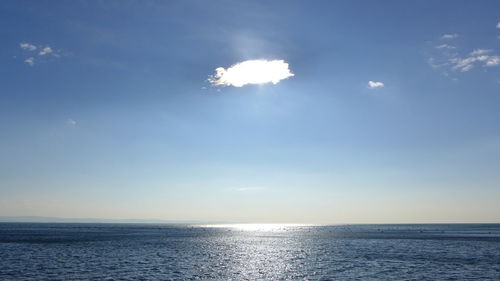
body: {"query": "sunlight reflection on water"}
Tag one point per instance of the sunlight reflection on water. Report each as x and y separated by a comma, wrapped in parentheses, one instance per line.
(249, 252)
(265, 227)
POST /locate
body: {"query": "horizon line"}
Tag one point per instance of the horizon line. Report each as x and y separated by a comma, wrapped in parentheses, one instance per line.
(46, 219)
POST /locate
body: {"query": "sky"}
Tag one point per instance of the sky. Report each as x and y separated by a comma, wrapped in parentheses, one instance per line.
(251, 111)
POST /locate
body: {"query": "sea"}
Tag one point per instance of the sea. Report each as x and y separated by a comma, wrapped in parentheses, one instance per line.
(86, 251)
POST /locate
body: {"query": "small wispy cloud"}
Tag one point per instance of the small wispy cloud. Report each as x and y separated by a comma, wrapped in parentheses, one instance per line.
(480, 52)
(248, 189)
(448, 57)
(467, 63)
(373, 84)
(498, 24)
(70, 122)
(45, 51)
(30, 61)
(27, 46)
(445, 46)
(492, 61)
(463, 64)
(251, 72)
(435, 64)
(449, 36)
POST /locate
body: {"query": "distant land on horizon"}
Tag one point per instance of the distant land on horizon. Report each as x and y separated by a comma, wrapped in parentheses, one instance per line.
(88, 220)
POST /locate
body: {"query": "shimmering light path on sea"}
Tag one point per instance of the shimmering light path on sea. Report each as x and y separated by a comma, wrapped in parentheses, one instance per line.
(249, 252)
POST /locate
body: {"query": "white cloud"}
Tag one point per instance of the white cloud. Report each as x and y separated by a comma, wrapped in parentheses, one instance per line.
(480, 52)
(45, 51)
(27, 46)
(30, 61)
(373, 84)
(42, 51)
(498, 25)
(466, 68)
(251, 72)
(448, 57)
(492, 61)
(70, 122)
(466, 64)
(449, 36)
(463, 65)
(435, 63)
(445, 46)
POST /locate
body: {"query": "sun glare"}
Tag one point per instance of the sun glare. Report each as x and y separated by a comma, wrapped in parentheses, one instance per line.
(266, 227)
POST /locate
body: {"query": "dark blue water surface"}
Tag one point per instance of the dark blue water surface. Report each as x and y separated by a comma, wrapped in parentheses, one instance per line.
(31, 251)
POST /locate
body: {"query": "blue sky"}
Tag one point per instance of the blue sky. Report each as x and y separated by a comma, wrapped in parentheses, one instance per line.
(106, 111)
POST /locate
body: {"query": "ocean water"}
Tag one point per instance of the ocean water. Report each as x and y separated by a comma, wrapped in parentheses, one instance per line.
(43, 251)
